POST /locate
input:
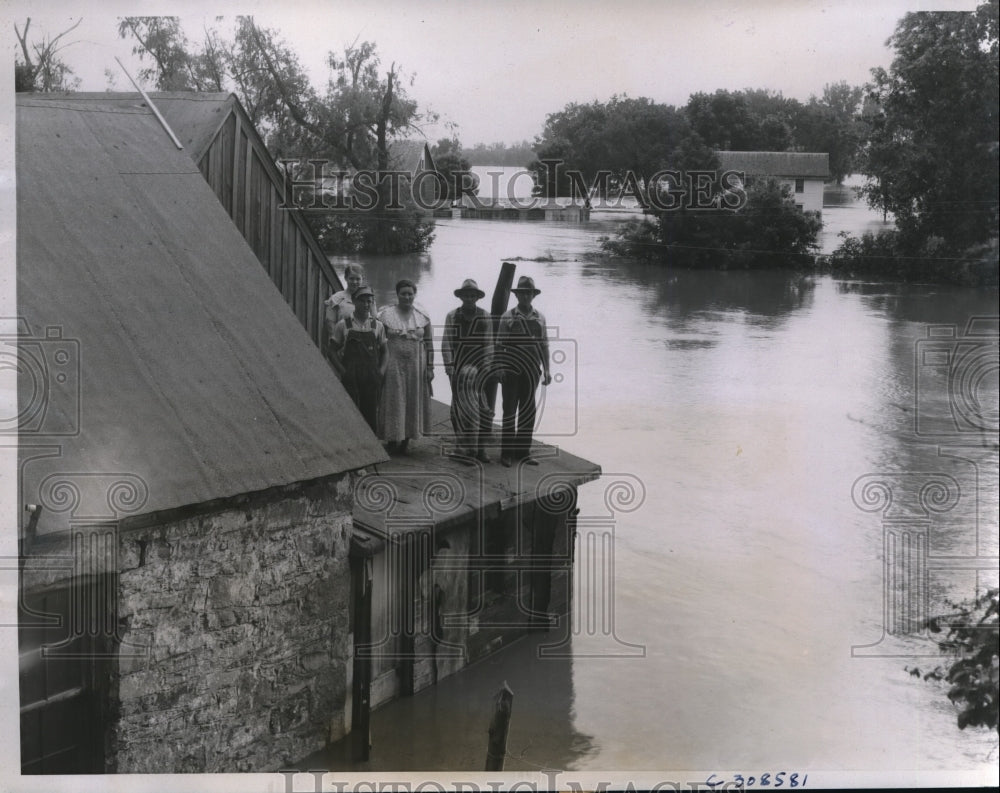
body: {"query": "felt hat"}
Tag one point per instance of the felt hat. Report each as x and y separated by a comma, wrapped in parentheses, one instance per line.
(526, 284)
(469, 285)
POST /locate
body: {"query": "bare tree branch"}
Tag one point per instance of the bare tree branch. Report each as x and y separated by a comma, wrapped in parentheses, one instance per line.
(22, 39)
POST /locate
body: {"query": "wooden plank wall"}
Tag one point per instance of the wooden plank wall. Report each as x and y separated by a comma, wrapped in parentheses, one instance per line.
(238, 172)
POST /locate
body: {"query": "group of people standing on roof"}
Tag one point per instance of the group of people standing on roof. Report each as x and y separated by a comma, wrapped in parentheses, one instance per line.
(385, 360)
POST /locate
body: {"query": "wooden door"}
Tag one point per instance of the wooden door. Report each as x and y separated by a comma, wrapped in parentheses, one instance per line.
(63, 673)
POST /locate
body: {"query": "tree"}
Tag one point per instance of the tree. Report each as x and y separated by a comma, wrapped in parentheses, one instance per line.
(622, 137)
(38, 66)
(162, 40)
(750, 120)
(832, 124)
(498, 153)
(574, 137)
(453, 166)
(931, 154)
(768, 231)
(351, 122)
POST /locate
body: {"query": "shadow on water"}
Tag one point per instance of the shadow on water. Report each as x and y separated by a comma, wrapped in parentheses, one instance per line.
(935, 304)
(765, 297)
(445, 727)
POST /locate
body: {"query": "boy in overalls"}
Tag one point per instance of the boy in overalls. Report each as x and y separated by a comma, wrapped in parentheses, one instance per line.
(359, 346)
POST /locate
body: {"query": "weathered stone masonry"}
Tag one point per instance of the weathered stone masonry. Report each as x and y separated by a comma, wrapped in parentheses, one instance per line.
(244, 612)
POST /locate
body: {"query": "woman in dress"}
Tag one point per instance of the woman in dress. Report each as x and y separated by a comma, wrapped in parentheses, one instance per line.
(405, 412)
(341, 304)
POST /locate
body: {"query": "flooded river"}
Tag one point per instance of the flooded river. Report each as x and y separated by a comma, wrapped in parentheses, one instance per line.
(746, 624)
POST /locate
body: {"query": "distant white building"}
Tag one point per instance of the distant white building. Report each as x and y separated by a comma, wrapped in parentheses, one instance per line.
(803, 172)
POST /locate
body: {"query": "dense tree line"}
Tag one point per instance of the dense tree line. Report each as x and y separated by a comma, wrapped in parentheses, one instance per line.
(509, 155)
(642, 136)
(924, 132)
(931, 152)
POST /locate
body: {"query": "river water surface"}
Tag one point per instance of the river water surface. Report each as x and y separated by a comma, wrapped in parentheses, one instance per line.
(748, 611)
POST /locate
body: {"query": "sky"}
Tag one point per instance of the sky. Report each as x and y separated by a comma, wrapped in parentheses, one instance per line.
(494, 70)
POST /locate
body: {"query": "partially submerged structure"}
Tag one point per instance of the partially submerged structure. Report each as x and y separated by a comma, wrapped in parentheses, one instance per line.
(220, 569)
(804, 173)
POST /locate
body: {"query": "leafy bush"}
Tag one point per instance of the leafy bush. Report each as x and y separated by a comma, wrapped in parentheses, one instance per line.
(887, 255)
(973, 640)
(768, 231)
(385, 232)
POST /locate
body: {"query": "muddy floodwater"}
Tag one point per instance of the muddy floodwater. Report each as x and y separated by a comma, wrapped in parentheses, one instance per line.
(745, 623)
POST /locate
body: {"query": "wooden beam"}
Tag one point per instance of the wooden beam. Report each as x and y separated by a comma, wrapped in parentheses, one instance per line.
(236, 163)
(501, 297)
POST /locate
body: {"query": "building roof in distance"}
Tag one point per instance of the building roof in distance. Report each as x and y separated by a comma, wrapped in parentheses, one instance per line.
(788, 164)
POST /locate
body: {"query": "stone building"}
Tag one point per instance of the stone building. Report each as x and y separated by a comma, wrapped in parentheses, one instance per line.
(187, 468)
(221, 570)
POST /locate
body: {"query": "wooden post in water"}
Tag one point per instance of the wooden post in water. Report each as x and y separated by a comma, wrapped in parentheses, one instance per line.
(501, 297)
(361, 696)
(497, 750)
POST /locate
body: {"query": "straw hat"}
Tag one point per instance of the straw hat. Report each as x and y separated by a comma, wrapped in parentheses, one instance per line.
(469, 285)
(526, 284)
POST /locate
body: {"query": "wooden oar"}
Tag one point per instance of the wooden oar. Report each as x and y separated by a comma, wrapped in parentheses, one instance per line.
(501, 297)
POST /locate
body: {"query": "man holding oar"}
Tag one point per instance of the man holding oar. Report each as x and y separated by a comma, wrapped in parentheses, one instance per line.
(523, 359)
(467, 349)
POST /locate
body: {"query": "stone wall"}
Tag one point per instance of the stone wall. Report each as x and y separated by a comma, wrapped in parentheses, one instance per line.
(244, 616)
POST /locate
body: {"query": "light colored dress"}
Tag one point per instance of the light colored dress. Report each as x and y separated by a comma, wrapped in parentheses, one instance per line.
(405, 410)
(335, 308)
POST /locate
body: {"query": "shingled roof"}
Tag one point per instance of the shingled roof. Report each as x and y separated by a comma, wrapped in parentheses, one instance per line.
(410, 155)
(777, 163)
(194, 375)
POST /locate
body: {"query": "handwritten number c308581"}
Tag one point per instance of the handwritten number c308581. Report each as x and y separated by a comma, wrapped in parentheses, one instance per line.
(740, 782)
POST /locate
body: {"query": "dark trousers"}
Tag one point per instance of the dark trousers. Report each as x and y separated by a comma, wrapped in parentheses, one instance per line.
(518, 390)
(471, 416)
(362, 386)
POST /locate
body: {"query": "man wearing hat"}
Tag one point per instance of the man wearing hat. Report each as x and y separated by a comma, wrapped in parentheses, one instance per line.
(522, 358)
(467, 349)
(359, 347)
